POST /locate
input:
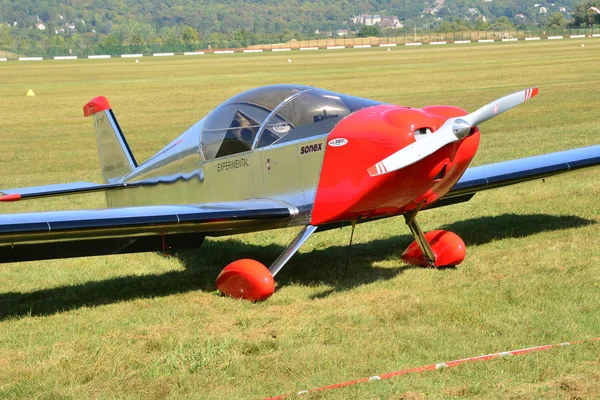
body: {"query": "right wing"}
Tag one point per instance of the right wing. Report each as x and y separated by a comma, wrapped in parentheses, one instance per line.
(490, 176)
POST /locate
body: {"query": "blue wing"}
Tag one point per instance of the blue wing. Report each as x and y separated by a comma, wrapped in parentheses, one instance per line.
(506, 173)
(59, 234)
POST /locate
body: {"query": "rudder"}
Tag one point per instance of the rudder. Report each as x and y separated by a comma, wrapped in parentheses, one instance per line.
(116, 158)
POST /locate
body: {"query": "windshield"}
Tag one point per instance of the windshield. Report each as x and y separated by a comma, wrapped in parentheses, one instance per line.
(298, 112)
(232, 126)
(311, 113)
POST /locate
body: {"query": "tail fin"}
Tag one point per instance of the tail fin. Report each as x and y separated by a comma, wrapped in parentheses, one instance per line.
(116, 158)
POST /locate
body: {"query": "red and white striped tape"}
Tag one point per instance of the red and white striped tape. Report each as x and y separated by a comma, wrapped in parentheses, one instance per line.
(433, 367)
(529, 93)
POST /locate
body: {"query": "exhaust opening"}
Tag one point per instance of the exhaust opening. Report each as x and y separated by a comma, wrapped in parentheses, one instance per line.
(441, 174)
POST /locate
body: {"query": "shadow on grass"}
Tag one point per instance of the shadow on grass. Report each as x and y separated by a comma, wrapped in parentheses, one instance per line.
(483, 230)
(313, 268)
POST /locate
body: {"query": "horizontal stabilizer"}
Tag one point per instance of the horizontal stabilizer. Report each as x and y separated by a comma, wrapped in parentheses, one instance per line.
(63, 189)
(48, 190)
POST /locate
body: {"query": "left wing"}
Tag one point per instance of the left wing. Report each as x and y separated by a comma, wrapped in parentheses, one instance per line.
(490, 176)
(59, 234)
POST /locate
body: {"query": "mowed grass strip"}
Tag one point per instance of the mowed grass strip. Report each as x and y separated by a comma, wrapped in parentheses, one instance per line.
(144, 326)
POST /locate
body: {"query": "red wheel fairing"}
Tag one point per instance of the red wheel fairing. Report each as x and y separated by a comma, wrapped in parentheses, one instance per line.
(246, 279)
(448, 247)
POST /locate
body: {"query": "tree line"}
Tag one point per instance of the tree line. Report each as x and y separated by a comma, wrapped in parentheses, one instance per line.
(239, 23)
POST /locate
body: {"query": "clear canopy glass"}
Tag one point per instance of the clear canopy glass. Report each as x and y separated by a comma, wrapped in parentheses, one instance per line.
(293, 112)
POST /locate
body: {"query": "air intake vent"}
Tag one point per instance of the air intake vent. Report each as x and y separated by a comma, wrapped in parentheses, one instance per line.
(440, 174)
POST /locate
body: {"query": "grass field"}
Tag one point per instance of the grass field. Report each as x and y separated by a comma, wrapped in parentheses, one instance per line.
(148, 327)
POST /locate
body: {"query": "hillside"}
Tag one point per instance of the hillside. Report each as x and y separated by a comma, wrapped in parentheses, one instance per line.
(30, 23)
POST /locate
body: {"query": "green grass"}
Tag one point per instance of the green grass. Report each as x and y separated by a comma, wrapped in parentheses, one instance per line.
(144, 326)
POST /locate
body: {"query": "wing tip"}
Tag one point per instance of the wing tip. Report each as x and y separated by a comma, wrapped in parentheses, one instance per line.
(11, 197)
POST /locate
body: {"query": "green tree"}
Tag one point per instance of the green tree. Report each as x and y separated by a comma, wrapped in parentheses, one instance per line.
(584, 16)
(6, 38)
(556, 21)
(480, 25)
(244, 36)
(189, 36)
(369, 30)
(80, 26)
(445, 26)
(501, 24)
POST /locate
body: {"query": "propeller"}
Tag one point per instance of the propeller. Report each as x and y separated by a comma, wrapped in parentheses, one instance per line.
(453, 130)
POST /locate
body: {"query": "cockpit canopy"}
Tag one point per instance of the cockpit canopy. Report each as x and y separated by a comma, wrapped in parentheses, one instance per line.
(273, 115)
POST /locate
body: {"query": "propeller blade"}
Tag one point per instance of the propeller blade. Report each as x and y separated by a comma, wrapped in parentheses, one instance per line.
(499, 106)
(453, 130)
(415, 151)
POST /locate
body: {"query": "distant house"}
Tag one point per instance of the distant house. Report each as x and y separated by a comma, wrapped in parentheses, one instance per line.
(342, 32)
(367, 19)
(373, 20)
(563, 9)
(40, 26)
(520, 15)
(391, 22)
(543, 10)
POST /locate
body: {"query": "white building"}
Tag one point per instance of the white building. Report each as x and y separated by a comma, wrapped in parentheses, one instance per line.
(367, 19)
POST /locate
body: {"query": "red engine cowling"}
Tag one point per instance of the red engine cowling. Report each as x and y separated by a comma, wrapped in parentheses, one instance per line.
(346, 191)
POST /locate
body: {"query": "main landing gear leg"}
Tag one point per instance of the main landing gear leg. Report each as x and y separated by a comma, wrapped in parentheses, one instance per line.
(433, 249)
(427, 254)
(250, 280)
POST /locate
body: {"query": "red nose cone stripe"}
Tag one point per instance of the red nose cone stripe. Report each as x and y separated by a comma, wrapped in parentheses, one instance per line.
(11, 197)
(96, 105)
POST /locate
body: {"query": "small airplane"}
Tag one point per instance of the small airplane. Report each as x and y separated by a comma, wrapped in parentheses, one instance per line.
(276, 157)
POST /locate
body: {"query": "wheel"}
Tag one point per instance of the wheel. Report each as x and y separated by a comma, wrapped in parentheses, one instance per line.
(448, 247)
(246, 279)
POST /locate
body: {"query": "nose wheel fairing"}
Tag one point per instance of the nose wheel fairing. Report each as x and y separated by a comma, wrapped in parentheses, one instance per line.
(437, 248)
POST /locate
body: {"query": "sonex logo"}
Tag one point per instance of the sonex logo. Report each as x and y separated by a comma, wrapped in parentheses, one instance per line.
(311, 148)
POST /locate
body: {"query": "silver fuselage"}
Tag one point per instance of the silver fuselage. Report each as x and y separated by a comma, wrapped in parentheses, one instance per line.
(287, 172)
